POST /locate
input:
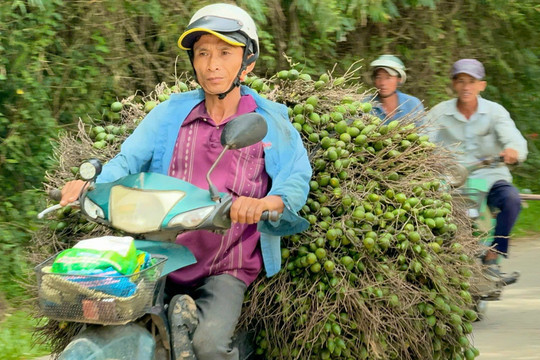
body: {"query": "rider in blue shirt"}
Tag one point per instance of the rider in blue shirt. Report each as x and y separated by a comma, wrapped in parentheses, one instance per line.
(388, 73)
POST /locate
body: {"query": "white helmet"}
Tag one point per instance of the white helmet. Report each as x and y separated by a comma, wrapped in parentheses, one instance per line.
(228, 22)
(391, 64)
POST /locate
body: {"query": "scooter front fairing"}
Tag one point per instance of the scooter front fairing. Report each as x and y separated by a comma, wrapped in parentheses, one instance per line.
(155, 206)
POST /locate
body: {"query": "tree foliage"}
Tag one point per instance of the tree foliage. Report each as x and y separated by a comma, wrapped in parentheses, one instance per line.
(61, 60)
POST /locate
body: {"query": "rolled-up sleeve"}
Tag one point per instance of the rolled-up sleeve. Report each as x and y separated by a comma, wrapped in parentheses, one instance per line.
(508, 134)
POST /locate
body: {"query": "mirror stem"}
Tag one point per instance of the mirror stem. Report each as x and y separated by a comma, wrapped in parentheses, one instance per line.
(214, 193)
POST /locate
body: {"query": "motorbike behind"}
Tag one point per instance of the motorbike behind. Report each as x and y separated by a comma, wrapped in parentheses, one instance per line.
(154, 208)
(474, 191)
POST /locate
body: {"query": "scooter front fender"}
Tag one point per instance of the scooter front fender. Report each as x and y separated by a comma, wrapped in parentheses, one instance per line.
(178, 256)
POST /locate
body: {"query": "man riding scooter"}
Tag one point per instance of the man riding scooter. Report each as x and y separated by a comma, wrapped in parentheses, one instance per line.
(475, 128)
(181, 138)
(388, 73)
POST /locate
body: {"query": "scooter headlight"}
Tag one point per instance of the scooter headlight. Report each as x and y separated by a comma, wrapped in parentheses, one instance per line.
(92, 209)
(137, 211)
(192, 218)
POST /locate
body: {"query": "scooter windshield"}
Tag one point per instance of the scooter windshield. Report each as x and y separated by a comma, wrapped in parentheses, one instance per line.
(140, 211)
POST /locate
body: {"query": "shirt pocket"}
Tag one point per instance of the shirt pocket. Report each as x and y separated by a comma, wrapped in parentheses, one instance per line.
(487, 143)
(482, 127)
(248, 176)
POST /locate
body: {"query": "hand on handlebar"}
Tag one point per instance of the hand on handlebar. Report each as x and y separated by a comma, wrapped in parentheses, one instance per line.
(509, 155)
(71, 191)
(246, 210)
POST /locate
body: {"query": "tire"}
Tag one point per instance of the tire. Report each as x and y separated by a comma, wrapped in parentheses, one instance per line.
(481, 309)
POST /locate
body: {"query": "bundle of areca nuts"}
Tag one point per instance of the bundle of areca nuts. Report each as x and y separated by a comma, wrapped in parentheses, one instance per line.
(383, 272)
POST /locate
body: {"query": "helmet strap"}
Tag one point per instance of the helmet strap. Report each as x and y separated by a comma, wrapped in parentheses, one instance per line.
(235, 84)
(190, 56)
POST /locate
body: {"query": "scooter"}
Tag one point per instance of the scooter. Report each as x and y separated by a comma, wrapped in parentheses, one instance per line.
(154, 208)
(474, 192)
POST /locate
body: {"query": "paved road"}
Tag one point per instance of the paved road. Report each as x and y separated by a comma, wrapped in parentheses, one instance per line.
(511, 327)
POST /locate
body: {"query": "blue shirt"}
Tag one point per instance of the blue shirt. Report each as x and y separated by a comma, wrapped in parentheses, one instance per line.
(485, 134)
(407, 104)
(150, 148)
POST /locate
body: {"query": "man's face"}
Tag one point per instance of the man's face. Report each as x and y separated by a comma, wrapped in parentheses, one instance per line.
(216, 63)
(467, 87)
(385, 83)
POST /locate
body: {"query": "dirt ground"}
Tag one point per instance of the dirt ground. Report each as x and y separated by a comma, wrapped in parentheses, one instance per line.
(511, 327)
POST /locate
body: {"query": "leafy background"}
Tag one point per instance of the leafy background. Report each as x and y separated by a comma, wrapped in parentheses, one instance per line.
(61, 60)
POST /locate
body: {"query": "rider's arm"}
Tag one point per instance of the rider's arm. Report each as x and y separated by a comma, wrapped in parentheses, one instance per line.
(136, 151)
(151, 145)
(286, 158)
(288, 165)
(432, 125)
(510, 156)
(509, 135)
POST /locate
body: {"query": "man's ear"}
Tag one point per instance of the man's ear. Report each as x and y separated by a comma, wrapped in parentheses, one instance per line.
(246, 71)
(483, 85)
(454, 84)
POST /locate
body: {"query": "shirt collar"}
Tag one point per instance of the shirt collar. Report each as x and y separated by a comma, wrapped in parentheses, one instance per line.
(453, 110)
(398, 93)
(246, 105)
(397, 113)
(482, 105)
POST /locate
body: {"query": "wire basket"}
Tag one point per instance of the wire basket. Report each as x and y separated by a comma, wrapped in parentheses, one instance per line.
(76, 298)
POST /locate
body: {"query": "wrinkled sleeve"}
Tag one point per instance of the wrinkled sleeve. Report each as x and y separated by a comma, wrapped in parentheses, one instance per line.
(508, 134)
(291, 181)
(418, 113)
(289, 168)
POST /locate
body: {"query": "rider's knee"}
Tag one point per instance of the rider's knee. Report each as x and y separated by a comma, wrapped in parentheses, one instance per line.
(209, 343)
(513, 201)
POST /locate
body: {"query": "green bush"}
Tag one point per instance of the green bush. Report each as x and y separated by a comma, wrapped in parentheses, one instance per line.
(16, 341)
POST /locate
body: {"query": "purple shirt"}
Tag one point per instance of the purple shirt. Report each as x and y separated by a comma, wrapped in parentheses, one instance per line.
(241, 173)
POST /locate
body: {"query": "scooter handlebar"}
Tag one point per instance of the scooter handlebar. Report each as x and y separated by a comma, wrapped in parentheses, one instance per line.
(270, 215)
(55, 194)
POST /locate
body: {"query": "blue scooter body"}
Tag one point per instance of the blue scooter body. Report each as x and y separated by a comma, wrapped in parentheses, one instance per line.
(477, 190)
(133, 341)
